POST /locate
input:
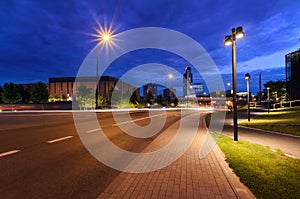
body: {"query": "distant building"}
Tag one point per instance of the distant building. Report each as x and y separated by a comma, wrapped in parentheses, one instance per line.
(292, 70)
(187, 81)
(62, 87)
(170, 92)
(198, 89)
(150, 88)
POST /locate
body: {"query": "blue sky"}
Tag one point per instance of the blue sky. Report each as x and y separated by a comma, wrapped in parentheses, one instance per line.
(41, 39)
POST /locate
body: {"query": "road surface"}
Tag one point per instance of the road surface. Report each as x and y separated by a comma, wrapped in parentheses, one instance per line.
(42, 156)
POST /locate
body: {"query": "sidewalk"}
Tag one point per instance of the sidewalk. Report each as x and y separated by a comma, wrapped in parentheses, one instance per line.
(289, 144)
(187, 177)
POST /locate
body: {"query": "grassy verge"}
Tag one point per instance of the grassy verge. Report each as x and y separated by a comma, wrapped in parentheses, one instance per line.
(285, 120)
(268, 174)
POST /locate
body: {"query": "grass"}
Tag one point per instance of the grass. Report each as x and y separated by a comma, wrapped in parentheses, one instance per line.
(284, 120)
(268, 174)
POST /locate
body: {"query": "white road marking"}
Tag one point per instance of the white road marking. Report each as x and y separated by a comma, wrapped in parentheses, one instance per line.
(93, 130)
(59, 139)
(9, 153)
(143, 118)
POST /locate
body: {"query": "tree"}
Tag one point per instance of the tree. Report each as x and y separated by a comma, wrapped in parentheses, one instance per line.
(11, 94)
(149, 97)
(134, 98)
(63, 97)
(101, 100)
(1, 91)
(159, 99)
(85, 97)
(25, 93)
(276, 90)
(39, 93)
(176, 101)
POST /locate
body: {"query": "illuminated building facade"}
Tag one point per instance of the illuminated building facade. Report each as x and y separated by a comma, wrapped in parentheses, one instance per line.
(63, 87)
(292, 69)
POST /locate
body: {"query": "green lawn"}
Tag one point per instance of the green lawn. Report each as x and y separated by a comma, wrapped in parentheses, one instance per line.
(284, 120)
(268, 174)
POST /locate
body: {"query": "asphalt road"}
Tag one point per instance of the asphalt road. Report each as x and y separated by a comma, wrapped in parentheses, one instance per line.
(42, 156)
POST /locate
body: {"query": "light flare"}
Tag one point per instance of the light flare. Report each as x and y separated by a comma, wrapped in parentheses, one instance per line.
(105, 37)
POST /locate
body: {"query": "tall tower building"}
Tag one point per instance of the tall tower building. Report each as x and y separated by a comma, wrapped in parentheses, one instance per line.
(292, 69)
(152, 88)
(187, 81)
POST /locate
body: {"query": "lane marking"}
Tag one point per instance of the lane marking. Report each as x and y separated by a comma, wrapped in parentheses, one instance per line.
(9, 153)
(143, 118)
(93, 130)
(59, 139)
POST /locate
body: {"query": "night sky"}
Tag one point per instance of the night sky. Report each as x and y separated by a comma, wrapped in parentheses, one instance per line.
(41, 39)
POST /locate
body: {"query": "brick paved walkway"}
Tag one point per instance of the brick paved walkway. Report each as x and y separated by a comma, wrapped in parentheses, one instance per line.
(187, 177)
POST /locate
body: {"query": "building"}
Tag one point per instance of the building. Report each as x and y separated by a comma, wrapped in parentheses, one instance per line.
(292, 71)
(197, 89)
(170, 92)
(62, 88)
(187, 81)
(150, 88)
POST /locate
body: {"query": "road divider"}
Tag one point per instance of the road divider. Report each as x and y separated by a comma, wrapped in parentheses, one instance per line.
(8, 153)
(59, 139)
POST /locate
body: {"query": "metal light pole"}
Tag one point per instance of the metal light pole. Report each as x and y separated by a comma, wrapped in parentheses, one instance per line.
(97, 80)
(247, 78)
(268, 95)
(103, 38)
(231, 40)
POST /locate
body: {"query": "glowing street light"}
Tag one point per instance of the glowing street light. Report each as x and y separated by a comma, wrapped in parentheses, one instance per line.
(247, 78)
(104, 37)
(268, 95)
(236, 33)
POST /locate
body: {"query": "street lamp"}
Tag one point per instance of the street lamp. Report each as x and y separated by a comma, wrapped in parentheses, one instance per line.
(247, 78)
(170, 76)
(268, 96)
(103, 37)
(236, 33)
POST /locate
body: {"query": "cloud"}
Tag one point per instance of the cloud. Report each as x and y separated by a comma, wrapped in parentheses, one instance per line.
(50, 36)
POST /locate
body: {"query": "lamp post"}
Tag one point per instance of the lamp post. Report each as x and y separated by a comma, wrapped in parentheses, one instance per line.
(97, 80)
(104, 37)
(268, 96)
(236, 33)
(170, 76)
(247, 78)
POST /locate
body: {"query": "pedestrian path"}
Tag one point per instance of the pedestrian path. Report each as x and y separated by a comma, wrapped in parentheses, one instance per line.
(187, 177)
(289, 144)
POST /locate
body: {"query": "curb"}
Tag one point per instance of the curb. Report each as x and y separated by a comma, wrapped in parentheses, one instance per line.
(241, 190)
(270, 132)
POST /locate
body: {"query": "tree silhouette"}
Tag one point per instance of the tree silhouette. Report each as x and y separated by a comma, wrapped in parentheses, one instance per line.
(11, 94)
(39, 93)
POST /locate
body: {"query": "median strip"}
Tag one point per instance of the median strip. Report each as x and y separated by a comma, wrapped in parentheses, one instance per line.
(8, 153)
(59, 139)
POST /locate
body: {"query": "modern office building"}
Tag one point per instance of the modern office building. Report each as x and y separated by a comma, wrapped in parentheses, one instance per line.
(150, 88)
(187, 81)
(197, 89)
(170, 92)
(292, 70)
(63, 87)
